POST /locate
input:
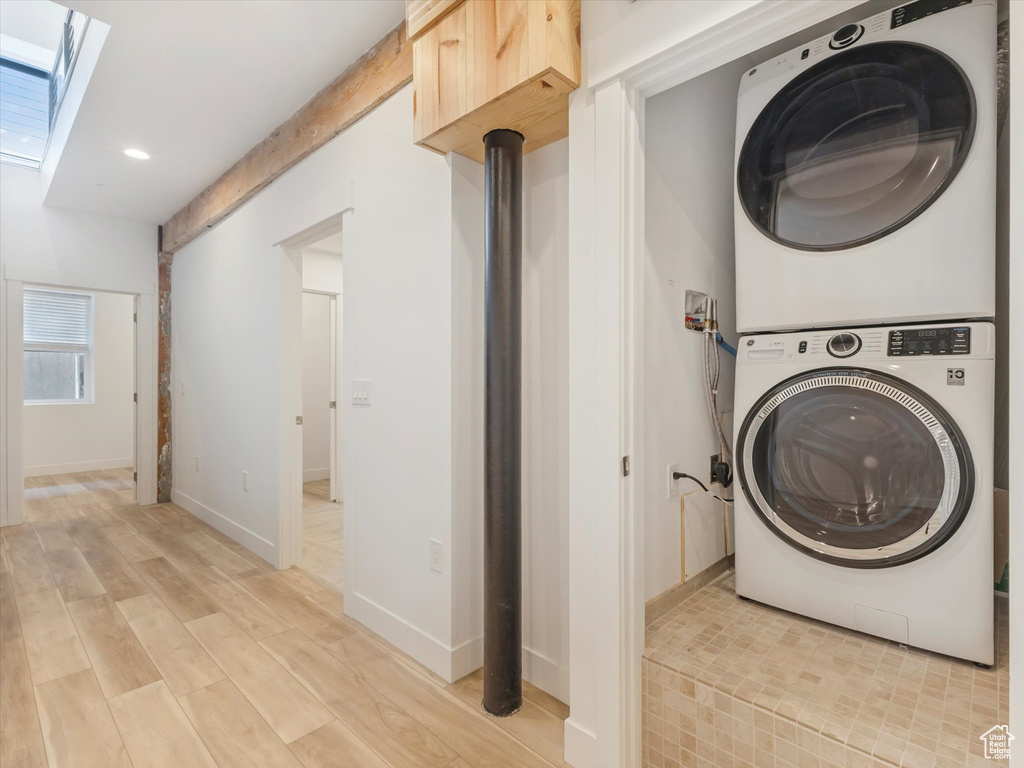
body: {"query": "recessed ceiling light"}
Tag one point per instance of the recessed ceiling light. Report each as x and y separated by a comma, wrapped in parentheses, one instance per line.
(137, 154)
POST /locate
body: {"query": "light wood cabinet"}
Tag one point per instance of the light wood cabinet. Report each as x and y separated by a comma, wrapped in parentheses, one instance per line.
(485, 64)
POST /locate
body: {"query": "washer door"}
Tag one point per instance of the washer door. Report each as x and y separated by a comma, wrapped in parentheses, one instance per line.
(856, 146)
(855, 467)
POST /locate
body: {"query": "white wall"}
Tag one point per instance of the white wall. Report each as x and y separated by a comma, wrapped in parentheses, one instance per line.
(80, 437)
(545, 415)
(70, 247)
(688, 200)
(316, 386)
(397, 334)
(1016, 375)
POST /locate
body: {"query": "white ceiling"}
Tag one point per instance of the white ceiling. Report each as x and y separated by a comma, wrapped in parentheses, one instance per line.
(329, 245)
(196, 84)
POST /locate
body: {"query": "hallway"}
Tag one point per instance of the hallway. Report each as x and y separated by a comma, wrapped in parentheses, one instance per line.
(122, 627)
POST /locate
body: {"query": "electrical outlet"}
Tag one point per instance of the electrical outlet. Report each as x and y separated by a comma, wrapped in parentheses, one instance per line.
(197, 463)
(245, 480)
(720, 471)
(673, 484)
(436, 556)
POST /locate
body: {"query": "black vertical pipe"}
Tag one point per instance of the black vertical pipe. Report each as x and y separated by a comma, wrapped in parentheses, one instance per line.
(503, 300)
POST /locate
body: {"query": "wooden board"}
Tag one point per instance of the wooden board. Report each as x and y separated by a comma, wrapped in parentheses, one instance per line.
(77, 727)
(51, 640)
(155, 730)
(288, 707)
(21, 742)
(421, 15)
(73, 575)
(238, 737)
(185, 599)
(182, 662)
(120, 662)
(335, 745)
(538, 109)
(491, 64)
(10, 624)
(294, 608)
(375, 76)
(395, 736)
(255, 618)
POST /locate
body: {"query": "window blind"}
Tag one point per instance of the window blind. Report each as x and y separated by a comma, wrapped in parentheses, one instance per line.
(58, 319)
(25, 117)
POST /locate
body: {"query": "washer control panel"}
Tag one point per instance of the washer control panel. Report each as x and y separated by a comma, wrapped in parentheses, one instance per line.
(930, 341)
(893, 347)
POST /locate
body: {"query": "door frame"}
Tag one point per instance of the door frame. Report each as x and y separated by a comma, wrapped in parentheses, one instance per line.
(606, 372)
(12, 397)
(290, 478)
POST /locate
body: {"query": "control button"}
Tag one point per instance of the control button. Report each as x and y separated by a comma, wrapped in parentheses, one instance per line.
(844, 345)
(802, 348)
(805, 54)
(845, 36)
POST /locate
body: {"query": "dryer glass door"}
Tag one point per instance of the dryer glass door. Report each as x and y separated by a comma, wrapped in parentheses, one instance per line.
(855, 467)
(856, 146)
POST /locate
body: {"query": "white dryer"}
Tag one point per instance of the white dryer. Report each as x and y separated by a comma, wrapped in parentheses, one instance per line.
(866, 173)
(864, 460)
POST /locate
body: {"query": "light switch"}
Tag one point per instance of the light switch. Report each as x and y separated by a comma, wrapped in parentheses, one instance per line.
(360, 391)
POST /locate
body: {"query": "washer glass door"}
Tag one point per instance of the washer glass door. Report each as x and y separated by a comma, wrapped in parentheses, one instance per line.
(856, 146)
(855, 467)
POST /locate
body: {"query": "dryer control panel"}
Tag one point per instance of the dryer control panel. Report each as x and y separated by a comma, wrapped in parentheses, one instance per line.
(930, 341)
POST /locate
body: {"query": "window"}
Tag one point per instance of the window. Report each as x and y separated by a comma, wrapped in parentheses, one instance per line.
(25, 118)
(58, 338)
(39, 46)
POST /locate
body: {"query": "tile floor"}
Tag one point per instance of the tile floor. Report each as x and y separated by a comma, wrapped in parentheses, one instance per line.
(732, 684)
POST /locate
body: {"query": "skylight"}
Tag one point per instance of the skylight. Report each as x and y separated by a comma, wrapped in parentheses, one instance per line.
(39, 43)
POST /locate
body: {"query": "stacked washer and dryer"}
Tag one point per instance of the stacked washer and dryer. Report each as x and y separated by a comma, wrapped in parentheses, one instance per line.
(865, 269)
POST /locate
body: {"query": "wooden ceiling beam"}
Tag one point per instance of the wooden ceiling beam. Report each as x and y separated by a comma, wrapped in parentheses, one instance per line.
(378, 74)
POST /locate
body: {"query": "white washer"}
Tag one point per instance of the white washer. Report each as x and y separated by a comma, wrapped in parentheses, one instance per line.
(864, 467)
(866, 174)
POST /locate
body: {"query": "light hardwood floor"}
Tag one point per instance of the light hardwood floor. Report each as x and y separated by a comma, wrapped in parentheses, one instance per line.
(143, 637)
(321, 534)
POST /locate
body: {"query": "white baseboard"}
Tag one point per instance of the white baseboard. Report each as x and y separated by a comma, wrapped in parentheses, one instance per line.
(546, 675)
(537, 668)
(251, 541)
(467, 658)
(308, 475)
(78, 466)
(580, 745)
(428, 651)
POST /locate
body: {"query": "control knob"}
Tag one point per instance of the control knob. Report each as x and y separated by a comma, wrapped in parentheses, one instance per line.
(845, 36)
(844, 345)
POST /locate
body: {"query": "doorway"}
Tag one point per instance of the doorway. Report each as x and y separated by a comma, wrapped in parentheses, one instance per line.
(142, 392)
(321, 473)
(312, 486)
(80, 384)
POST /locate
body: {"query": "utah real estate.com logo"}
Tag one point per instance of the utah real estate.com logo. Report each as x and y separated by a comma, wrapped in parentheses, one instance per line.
(997, 742)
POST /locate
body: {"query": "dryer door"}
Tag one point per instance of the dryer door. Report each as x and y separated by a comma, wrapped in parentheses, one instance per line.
(856, 146)
(855, 467)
